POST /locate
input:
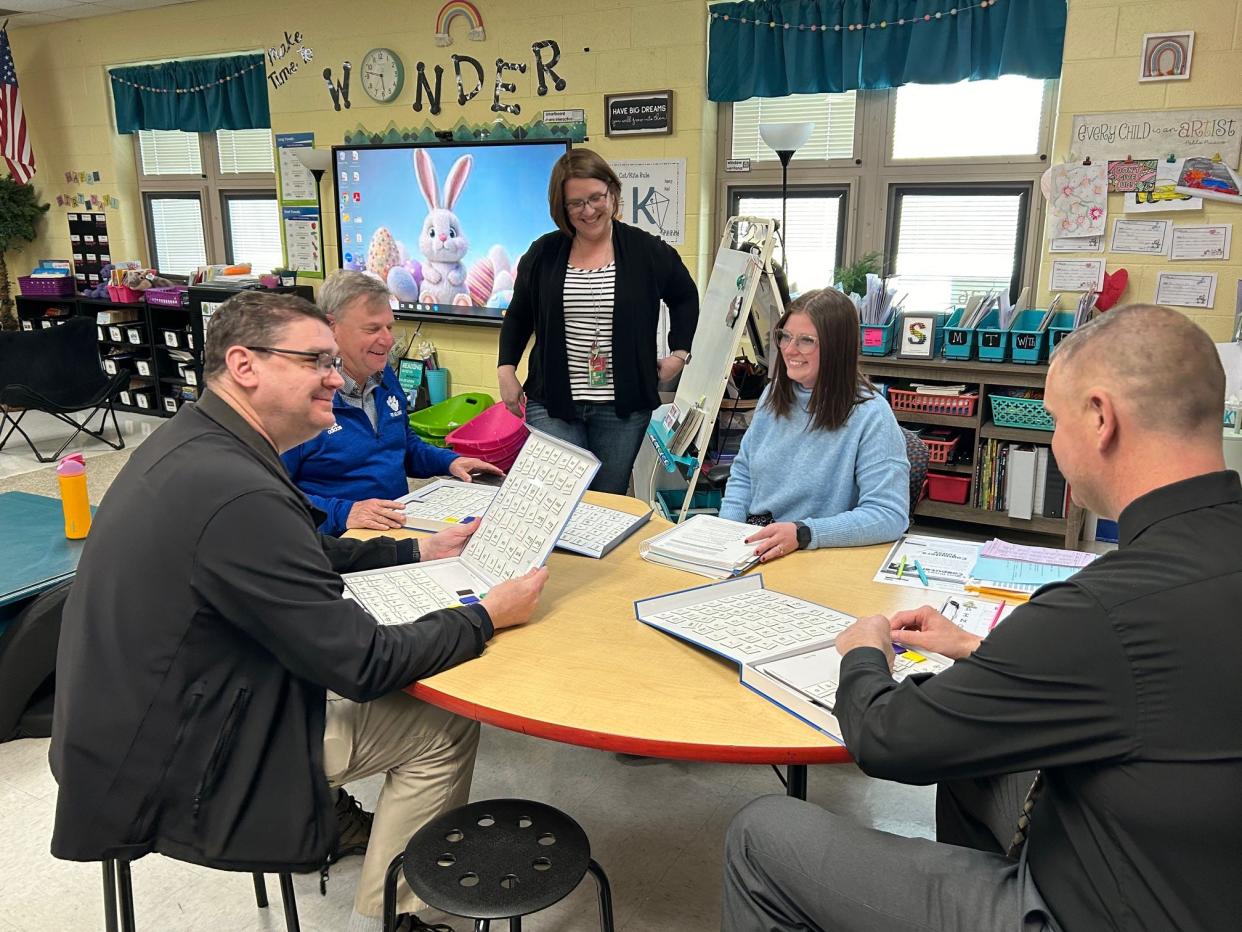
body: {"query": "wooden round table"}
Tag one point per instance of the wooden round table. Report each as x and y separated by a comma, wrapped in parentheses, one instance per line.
(585, 671)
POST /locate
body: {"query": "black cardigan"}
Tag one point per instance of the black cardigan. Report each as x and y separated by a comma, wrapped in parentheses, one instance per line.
(648, 270)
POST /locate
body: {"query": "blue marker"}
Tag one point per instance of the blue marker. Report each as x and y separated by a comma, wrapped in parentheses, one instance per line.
(918, 568)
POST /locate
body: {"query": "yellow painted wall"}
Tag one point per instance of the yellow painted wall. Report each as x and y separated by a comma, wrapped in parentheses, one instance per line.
(1103, 43)
(633, 45)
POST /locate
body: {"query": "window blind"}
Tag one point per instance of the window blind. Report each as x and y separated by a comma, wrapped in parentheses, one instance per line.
(832, 114)
(951, 244)
(169, 152)
(254, 232)
(245, 150)
(810, 238)
(973, 119)
(177, 229)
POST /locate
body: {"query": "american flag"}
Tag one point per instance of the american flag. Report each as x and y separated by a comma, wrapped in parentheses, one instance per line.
(14, 138)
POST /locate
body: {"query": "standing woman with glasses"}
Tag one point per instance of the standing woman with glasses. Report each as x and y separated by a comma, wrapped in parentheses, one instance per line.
(823, 464)
(590, 293)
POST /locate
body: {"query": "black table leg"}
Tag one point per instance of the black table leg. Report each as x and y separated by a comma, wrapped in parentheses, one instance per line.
(795, 784)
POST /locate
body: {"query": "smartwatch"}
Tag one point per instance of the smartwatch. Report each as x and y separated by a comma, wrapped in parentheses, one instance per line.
(804, 535)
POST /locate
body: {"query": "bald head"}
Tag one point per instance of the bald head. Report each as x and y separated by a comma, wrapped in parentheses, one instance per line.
(1162, 366)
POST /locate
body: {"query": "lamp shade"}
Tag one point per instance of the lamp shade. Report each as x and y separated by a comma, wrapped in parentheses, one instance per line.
(785, 137)
(316, 160)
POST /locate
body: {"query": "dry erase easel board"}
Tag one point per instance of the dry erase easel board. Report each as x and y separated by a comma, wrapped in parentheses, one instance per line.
(742, 288)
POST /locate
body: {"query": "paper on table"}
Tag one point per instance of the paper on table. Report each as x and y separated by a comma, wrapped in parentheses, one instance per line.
(1188, 289)
(992, 570)
(947, 562)
(1076, 275)
(974, 615)
(1077, 244)
(1201, 242)
(1147, 237)
(1003, 550)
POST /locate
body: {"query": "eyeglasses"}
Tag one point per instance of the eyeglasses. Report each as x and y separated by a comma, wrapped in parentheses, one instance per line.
(578, 205)
(324, 362)
(804, 342)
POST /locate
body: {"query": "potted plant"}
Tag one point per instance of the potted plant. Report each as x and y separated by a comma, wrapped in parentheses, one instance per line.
(19, 211)
(288, 277)
(853, 278)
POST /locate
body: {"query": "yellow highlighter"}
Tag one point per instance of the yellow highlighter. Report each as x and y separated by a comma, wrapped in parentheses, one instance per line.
(901, 568)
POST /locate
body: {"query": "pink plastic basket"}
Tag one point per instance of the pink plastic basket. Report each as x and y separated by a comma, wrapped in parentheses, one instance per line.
(123, 294)
(494, 433)
(48, 287)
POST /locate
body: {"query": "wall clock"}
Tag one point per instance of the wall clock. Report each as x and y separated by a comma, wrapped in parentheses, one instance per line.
(383, 75)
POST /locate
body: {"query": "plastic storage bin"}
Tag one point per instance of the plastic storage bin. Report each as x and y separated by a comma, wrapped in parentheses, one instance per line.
(123, 294)
(1062, 326)
(877, 339)
(1026, 413)
(959, 342)
(174, 296)
(939, 451)
(991, 341)
(1027, 343)
(705, 502)
(919, 403)
(942, 487)
(495, 435)
(435, 423)
(46, 287)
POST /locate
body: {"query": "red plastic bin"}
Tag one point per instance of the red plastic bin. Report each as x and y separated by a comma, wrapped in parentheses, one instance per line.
(939, 451)
(945, 488)
(493, 434)
(918, 403)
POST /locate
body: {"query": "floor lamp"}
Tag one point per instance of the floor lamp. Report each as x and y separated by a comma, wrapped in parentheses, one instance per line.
(317, 161)
(785, 139)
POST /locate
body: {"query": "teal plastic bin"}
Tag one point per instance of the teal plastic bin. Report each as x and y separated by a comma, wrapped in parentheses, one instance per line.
(1062, 326)
(877, 339)
(959, 342)
(705, 502)
(1027, 343)
(1026, 413)
(991, 340)
(435, 423)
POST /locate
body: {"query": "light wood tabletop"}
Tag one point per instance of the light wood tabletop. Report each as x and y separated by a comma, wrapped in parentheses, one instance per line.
(585, 671)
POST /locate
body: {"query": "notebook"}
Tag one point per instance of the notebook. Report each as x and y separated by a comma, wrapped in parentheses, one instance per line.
(707, 545)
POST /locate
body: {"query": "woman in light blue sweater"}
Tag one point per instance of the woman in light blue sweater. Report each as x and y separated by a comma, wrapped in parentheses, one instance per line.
(823, 464)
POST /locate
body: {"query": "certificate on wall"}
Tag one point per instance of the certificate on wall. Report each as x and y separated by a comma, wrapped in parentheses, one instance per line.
(1202, 242)
(1146, 237)
(1190, 289)
(1076, 275)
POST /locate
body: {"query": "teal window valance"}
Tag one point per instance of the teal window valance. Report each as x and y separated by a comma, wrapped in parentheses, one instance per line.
(195, 96)
(770, 48)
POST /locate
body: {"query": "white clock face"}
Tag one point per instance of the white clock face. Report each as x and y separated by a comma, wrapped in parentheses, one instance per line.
(382, 74)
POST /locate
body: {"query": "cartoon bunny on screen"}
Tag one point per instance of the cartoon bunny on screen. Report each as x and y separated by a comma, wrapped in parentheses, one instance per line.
(442, 241)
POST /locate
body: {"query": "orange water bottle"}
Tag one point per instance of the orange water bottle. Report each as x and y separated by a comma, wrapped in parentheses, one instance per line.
(71, 474)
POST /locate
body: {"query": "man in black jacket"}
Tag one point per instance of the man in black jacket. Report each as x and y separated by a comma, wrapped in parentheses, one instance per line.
(206, 625)
(1118, 685)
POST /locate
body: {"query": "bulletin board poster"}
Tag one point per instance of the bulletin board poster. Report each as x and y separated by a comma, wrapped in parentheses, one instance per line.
(1159, 134)
(303, 240)
(297, 184)
(653, 195)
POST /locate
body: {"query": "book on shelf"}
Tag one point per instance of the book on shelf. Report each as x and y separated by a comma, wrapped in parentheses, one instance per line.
(706, 545)
(784, 646)
(1020, 479)
(925, 389)
(592, 530)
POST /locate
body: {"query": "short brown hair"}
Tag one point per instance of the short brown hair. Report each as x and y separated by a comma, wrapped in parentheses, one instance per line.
(1164, 365)
(251, 318)
(840, 384)
(580, 163)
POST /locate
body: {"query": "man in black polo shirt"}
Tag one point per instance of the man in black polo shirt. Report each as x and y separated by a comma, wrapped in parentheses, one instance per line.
(1118, 686)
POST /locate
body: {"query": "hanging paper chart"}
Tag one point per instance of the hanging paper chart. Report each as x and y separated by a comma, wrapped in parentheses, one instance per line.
(1078, 200)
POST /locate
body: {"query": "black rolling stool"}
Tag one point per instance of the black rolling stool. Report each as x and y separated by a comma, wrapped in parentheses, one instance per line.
(496, 859)
(119, 897)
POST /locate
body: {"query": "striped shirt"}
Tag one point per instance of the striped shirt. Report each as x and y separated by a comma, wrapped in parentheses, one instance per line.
(589, 296)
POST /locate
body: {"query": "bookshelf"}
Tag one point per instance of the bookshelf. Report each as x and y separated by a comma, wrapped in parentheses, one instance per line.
(984, 378)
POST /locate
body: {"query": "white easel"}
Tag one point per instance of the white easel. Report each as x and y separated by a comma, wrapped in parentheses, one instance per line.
(742, 297)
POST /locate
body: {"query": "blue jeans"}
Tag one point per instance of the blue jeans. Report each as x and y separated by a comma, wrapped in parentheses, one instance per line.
(614, 440)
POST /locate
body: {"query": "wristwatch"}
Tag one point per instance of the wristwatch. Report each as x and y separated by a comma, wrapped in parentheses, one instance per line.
(804, 535)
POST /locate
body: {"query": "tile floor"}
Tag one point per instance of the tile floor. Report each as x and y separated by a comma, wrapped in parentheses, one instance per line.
(48, 433)
(657, 827)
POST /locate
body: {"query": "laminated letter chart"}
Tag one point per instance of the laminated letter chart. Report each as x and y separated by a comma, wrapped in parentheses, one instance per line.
(516, 534)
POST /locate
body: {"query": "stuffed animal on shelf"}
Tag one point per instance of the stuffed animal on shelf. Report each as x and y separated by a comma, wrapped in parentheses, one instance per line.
(142, 279)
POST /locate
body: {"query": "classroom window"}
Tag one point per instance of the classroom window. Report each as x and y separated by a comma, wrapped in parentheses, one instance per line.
(947, 241)
(832, 114)
(973, 119)
(813, 233)
(209, 198)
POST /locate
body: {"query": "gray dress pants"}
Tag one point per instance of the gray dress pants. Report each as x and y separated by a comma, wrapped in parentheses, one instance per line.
(790, 865)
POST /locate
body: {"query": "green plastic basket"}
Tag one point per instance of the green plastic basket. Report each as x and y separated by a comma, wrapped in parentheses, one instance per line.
(1027, 413)
(437, 422)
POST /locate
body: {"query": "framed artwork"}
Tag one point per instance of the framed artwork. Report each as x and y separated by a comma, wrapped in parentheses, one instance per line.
(918, 336)
(1166, 56)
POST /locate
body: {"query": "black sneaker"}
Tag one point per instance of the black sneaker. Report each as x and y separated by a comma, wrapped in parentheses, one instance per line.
(353, 827)
(408, 922)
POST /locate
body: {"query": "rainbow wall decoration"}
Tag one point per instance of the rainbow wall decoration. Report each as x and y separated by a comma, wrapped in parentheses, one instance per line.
(453, 10)
(1167, 57)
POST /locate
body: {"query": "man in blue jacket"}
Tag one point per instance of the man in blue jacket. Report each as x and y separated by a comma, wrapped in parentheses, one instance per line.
(355, 469)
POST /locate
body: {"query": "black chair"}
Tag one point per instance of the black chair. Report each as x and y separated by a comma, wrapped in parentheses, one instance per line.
(119, 897)
(57, 370)
(28, 666)
(496, 859)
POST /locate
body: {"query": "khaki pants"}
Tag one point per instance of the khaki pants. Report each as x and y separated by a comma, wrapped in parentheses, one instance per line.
(427, 757)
